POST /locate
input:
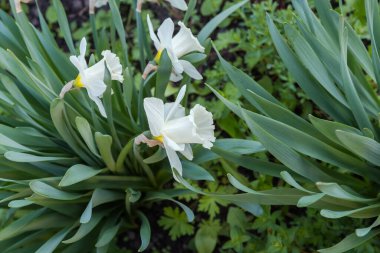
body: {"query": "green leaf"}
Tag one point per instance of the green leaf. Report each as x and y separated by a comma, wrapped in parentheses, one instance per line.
(78, 173)
(350, 242)
(195, 172)
(337, 191)
(99, 197)
(363, 212)
(364, 231)
(58, 116)
(64, 25)
(310, 200)
(107, 233)
(175, 221)
(317, 93)
(281, 150)
(353, 98)
(50, 245)
(86, 228)
(206, 239)
(163, 74)
(104, 143)
(365, 147)
(145, 232)
(50, 192)
(27, 158)
(85, 131)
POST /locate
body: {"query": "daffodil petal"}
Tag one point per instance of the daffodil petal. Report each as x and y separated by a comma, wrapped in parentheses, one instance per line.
(191, 70)
(165, 33)
(100, 3)
(188, 152)
(75, 61)
(178, 100)
(174, 160)
(173, 145)
(178, 112)
(174, 77)
(97, 88)
(83, 47)
(100, 105)
(153, 35)
(179, 4)
(155, 112)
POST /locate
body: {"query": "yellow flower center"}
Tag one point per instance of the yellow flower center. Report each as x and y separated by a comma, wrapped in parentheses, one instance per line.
(78, 82)
(158, 56)
(159, 138)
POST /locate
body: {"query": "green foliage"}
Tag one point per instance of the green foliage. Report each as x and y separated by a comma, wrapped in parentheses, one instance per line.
(176, 222)
(332, 160)
(72, 180)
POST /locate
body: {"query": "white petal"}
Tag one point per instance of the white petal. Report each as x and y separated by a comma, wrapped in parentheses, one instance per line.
(154, 109)
(113, 65)
(153, 35)
(177, 66)
(184, 42)
(83, 47)
(100, 105)
(178, 112)
(93, 75)
(188, 152)
(190, 70)
(165, 33)
(80, 61)
(179, 4)
(75, 61)
(174, 77)
(82, 51)
(178, 100)
(100, 3)
(173, 159)
(97, 88)
(173, 145)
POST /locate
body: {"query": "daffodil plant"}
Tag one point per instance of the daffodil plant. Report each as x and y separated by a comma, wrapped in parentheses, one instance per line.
(87, 144)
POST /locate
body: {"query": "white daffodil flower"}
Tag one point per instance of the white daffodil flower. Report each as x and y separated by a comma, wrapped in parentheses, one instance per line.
(183, 43)
(92, 78)
(179, 4)
(97, 4)
(174, 131)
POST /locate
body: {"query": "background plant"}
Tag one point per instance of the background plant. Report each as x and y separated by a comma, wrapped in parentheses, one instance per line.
(334, 159)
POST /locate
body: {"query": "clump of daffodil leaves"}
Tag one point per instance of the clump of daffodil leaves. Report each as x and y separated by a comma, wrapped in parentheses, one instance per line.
(331, 163)
(88, 139)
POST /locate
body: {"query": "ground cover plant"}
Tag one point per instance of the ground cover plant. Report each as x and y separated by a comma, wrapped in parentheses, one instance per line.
(127, 213)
